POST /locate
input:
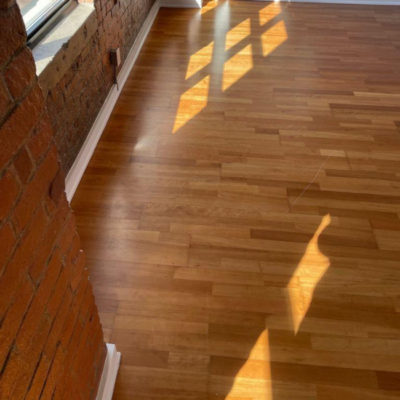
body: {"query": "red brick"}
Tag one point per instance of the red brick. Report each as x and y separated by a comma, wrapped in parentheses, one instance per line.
(60, 323)
(73, 251)
(87, 303)
(39, 378)
(49, 322)
(57, 187)
(56, 371)
(50, 239)
(80, 357)
(9, 190)
(7, 244)
(12, 32)
(23, 164)
(98, 361)
(69, 234)
(5, 100)
(19, 124)
(58, 293)
(20, 73)
(33, 333)
(8, 378)
(39, 142)
(13, 318)
(37, 307)
(49, 205)
(73, 319)
(5, 4)
(16, 269)
(78, 269)
(36, 190)
(72, 346)
(21, 364)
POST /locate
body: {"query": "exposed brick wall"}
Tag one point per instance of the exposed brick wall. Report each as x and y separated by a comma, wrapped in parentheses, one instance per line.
(76, 100)
(51, 342)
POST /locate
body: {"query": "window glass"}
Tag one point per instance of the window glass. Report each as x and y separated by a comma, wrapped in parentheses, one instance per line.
(36, 12)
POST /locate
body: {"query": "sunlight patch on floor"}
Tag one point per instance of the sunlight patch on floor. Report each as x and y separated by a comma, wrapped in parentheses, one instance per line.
(208, 7)
(237, 34)
(238, 39)
(255, 374)
(237, 67)
(273, 38)
(199, 60)
(311, 268)
(268, 13)
(191, 103)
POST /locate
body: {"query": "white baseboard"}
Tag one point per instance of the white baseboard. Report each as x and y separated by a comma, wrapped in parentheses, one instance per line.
(109, 375)
(85, 154)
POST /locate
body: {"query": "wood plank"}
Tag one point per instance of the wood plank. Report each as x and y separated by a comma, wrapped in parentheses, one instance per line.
(241, 213)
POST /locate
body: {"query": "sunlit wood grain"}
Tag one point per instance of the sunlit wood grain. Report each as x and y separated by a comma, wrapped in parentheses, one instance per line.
(254, 253)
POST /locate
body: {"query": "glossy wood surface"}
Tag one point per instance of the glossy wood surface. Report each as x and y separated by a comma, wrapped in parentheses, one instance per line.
(241, 212)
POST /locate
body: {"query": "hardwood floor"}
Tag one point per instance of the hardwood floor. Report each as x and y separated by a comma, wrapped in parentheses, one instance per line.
(241, 212)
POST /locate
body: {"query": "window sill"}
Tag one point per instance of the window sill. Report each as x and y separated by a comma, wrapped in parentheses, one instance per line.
(56, 52)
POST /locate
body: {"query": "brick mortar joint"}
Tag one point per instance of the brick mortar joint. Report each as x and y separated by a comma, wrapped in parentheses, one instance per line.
(4, 120)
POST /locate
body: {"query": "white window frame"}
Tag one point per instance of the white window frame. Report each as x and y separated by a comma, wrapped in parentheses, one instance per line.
(35, 23)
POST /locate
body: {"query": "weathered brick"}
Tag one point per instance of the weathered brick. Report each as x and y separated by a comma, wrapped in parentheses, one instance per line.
(73, 251)
(20, 73)
(8, 378)
(70, 327)
(47, 309)
(57, 186)
(37, 307)
(5, 4)
(38, 143)
(23, 164)
(12, 31)
(98, 361)
(13, 318)
(39, 378)
(72, 346)
(53, 233)
(5, 100)
(69, 234)
(16, 269)
(36, 190)
(7, 244)
(54, 375)
(58, 293)
(20, 366)
(78, 269)
(18, 125)
(60, 323)
(9, 190)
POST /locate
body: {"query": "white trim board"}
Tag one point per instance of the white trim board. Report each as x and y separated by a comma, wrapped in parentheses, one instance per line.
(109, 374)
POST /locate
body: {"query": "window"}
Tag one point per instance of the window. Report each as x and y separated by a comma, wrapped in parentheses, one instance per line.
(37, 13)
